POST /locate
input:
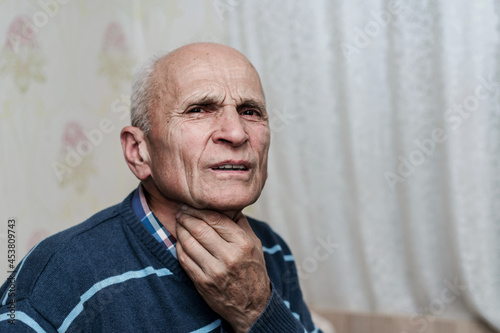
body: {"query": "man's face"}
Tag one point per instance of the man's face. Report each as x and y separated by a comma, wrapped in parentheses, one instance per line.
(210, 137)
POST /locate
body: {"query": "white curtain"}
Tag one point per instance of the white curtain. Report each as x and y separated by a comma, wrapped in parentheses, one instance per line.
(386, 147)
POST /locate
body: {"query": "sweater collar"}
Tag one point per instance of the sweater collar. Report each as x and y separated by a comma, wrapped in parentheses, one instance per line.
(150, 221)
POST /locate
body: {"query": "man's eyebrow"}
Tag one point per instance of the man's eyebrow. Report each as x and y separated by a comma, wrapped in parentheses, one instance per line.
(207, 100)
(250, 103)
(213, 100)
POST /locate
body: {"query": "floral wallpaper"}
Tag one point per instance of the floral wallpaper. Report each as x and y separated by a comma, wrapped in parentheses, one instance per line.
(23, 61)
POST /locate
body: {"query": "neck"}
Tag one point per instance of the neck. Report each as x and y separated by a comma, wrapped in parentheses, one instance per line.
(166, 209)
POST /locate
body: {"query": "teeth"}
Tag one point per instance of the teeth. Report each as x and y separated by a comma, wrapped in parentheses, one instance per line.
(230, 167)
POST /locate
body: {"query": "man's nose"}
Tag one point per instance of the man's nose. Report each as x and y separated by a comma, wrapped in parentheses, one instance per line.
(230, 128)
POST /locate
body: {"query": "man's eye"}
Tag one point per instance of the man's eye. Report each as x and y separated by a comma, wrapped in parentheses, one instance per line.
(250, 112)
(195, 110)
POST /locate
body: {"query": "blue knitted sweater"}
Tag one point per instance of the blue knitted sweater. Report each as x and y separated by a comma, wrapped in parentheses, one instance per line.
(109, 274)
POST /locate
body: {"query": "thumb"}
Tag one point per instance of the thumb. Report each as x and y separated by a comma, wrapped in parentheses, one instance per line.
(242, 222)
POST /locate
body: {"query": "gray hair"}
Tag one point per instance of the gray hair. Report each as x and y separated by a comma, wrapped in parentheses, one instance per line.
(143, 95)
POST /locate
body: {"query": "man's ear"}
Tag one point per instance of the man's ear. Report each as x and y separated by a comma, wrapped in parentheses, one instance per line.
(135, 150)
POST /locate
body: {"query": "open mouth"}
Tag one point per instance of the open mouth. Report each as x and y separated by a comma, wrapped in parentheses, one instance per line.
(231, 165)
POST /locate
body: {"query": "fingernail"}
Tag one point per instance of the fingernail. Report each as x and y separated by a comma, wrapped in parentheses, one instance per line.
(184, 207)
(178, 214)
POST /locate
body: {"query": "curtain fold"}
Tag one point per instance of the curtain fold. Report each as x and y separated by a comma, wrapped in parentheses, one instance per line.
(390, 149)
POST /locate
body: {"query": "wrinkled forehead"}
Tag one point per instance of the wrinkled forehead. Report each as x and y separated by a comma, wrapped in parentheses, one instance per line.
(186, 72)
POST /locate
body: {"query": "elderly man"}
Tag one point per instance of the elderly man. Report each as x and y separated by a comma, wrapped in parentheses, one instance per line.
(177, 255)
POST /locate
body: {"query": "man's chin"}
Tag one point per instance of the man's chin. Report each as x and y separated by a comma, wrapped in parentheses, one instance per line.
(230, 205)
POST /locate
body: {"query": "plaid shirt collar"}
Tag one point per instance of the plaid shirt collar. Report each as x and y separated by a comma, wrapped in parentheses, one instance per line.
(151, 222)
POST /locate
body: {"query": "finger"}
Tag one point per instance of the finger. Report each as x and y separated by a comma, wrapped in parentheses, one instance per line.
(193, 249)
(192, 269)
(204, 234)
(242, 222)
(198, 228)
(223, 225)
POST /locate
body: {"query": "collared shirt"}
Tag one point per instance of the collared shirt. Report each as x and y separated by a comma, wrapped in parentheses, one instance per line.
(151, 222)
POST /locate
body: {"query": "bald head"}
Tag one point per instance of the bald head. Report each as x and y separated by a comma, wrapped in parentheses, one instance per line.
(161, 75)
(198, 53)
